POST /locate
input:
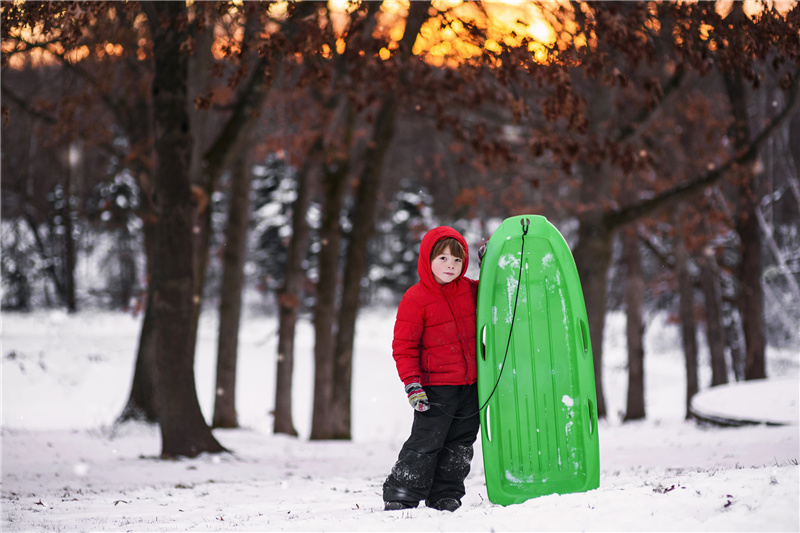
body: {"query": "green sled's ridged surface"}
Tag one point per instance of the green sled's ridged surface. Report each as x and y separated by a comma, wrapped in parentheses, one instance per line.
(539, 429)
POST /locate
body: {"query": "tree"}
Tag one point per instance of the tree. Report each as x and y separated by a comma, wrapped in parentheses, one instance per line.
(501, 122)
(230, 303)
(183, 430)
(605, 109)
(210, 158)
(231, 140)
(634, 302)
(751, 297)
(40, 179)
(68, 258)
(334, 183)
(335, 324)
(713, 311)
(686, 313)
(104, 110)
(290, 297)
(366, 199)
(97, 111)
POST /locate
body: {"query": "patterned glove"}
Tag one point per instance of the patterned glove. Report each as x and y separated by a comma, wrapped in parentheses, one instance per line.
(481, 253)
(417, 397)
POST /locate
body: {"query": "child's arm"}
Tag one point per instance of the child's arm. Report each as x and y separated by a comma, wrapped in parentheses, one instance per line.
(406, 342)
(405, 350)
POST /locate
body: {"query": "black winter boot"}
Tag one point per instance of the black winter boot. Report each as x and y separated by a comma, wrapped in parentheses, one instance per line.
(397, 506)
(446, 504)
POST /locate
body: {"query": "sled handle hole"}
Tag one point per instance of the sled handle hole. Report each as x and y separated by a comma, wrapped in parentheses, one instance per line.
(483, 342)
(584, 336)
(488, 423)
(592, 416)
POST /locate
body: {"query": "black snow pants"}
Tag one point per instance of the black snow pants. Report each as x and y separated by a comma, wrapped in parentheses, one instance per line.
(435, 460)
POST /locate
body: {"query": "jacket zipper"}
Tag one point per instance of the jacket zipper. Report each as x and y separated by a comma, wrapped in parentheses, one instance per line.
(458, 336)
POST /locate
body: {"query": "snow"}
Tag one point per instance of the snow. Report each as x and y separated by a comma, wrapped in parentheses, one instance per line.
(66, 467)
(778, 401)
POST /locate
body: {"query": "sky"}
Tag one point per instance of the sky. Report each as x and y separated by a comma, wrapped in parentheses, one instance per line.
(67, 467)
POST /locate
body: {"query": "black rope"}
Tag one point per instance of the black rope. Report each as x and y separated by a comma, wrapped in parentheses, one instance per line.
(525, 222)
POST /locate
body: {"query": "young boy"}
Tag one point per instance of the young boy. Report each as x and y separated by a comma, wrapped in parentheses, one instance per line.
(434, 347)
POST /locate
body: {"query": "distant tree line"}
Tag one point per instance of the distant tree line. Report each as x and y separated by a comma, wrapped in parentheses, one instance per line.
(191, 151)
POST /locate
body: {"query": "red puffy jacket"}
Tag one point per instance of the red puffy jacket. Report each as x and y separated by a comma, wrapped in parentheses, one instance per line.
(434, 333)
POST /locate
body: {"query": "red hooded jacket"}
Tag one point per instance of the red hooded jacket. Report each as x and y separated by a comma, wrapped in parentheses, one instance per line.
(434, 333)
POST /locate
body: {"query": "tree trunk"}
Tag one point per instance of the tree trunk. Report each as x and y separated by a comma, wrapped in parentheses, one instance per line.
(592, 253)
(199, 84)
(143, 398)
(230, 304)
(336, 168)
(634, 301)
(143, 401)
(363, 227)
(751, 296)
(592, 256)
(183, 430)
(127, 268)
(69, 239)
(686, 313)
(714, 333)
(322, 424)
(290, 296)
(68, 257)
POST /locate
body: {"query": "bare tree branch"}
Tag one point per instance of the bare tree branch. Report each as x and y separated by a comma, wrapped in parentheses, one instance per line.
(251, 99)
(25, 106)
(647, 113)
(681, 192)
(783, 268)
(107, 147)
(105, 96)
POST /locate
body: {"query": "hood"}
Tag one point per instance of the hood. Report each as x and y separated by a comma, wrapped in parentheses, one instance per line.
(428, 242)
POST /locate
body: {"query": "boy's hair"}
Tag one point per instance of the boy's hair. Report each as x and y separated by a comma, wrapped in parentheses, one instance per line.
(448, 242)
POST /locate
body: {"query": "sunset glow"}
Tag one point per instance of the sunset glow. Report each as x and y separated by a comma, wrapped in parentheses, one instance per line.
(445, 38)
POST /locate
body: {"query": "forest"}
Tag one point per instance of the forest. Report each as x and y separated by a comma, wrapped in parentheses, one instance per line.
(170, 157)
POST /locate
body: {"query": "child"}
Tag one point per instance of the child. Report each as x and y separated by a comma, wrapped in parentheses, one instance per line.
(434, 347)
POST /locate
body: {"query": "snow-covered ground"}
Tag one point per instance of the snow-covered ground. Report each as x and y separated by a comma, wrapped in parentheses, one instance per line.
(65, 467)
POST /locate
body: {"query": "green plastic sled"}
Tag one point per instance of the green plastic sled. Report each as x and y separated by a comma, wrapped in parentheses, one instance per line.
(539, 428)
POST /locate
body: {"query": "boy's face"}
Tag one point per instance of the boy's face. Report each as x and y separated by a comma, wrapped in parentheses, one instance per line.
(446, 267)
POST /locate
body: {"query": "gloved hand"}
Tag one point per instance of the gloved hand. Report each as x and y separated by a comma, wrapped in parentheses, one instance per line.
(481, 253)
(417, 397)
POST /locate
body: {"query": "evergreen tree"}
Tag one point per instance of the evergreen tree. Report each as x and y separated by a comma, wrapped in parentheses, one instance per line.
(274, 190)
(394, 250)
